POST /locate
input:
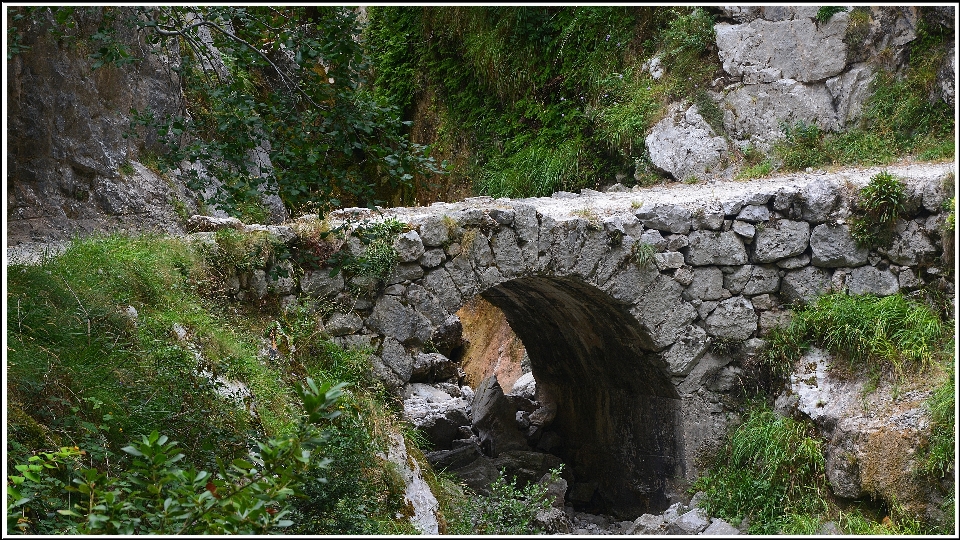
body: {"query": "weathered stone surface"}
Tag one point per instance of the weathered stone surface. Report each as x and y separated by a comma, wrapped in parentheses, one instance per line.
(688, 349)
(850, 90)
(494, 418)
(392, 318)
(792, 263)
(744, 229)
(432, 367)
(753, 213)
(713, 248)
(785, 239)
(797, 49)
(553, 521)
(506, 252)
(341, 324)
(663, 311)
(692, 522)
(319, 284)
(668, 260)
(432, 258)
(757, 111)
(752, 279)
(396, 357)
(911, 244)
(653, 238)
(733, 319)
(684, 145)
(404, 272)
(435, 413)
(647, 524)
(833, 247)
(720, 527)
(707, 285)
(819, 200)
(805, 284)
(870, 280)
(665, 218)
(525, 386)
(434, 231)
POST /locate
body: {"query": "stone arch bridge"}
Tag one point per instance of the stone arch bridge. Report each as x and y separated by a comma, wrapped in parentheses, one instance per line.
(618, 298)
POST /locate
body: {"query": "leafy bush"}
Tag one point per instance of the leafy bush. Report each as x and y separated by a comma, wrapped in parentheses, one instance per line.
(770, 470)
(154, 495)
(877, 207)
(378, 258)
(508, 509)
(826, 12)
(888, 332)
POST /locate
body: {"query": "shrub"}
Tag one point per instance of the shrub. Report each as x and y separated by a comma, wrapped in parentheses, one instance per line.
(801, 146)
(826, 12)
(878, 205)
(508, 509)
(156, 496)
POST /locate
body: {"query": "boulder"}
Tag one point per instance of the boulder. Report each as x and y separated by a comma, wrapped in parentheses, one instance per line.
(832, 246)
(733, 319)
(394, 319)
(495, 419)
(684, 145)
(434, 231)
(525, 386)
(433, 367)
(785, 239)
(434, 412)
(720, 527)
(819, 199)
(689, 523)
(341, 324)
(647, 524)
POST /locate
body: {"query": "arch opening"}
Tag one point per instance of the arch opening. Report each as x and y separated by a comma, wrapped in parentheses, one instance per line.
(616, 406)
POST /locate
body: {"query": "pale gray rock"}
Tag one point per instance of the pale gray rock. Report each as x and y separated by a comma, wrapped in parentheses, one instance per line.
(676, 242)
(281, 279)
(833, 246)
(319, 284)
(707, 285)
(258, 283)
(653, 238)
(663, 311)
(666, 218)
(684, 145)
(764, 301)
(506, 252)
(647, 524)
(668, 260)
(684, 275)
(396, 357)
(432, 258)
(341, 324)
(870, 280)
(393, 319)
(691, 522)
(503, 217)
(850, 90)
(553, 521)
(910, 245)
(733, 318)
(786, 239)
(404, 272)
(707, 219)
(799, 48)
(819, 200)
(752, 279)
(689, 347)
(434, 231)
(525, 386)
(907, 279)
(805, 284)
(713, 248)
(435, 413)
(744, 229)
(720, 527)
(756, 112)
(441, 284)
(753, 213)
(792, 263)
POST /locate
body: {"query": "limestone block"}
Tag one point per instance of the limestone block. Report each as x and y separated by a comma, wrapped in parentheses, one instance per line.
(432, 258)
(707, 285)
(506, 252)
(720, 527)
(692, 522)
(734, 319)
(833, 246)
(319, 283)
(442, 285)
(753, 213)
(785, 239)
(757, 111)
(910, 246)
(689, 347)
(820, 199)
(752, 279)
(805, 284)
(713, 248)
(434, 231)
(868, 279)
(665, 218)
(684, 145)
(792, 263)
(393, 319)
(800, 48)
(341, 324)
(396, 357)
(744, 229)
(654, 238)
(668, 260)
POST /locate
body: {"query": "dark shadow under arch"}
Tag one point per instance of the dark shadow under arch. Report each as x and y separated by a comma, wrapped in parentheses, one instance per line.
(617, 409)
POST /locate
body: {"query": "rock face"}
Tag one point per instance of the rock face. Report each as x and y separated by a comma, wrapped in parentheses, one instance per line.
(870, 435)
(684, 145)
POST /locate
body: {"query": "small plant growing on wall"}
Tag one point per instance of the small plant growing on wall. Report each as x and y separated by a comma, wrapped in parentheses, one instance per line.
(878, 206)
(643, 253)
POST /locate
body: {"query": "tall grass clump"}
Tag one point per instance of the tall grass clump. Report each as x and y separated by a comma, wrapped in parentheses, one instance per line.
(770, 470)
(877, 207)
(864, 331)
(507, 509)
